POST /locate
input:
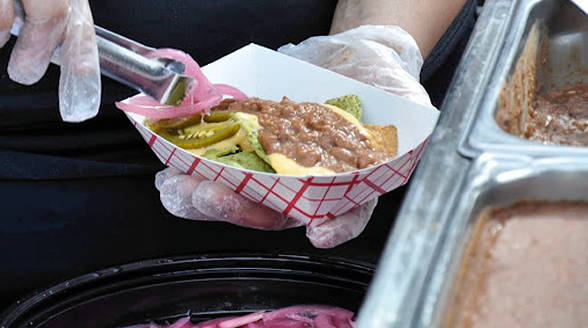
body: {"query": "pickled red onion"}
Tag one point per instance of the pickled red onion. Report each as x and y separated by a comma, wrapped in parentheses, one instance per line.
(290, 317)
(182, 323)
(241, 321)
(199, 97)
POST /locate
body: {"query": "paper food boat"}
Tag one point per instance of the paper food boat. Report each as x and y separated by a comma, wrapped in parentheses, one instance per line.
(267, 74)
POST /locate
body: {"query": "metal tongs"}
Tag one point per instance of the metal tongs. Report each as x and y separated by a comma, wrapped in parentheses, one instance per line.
(124, 60)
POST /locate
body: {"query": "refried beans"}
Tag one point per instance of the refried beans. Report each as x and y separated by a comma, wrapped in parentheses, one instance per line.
(526, 266)
(310, 134)
(560, 117)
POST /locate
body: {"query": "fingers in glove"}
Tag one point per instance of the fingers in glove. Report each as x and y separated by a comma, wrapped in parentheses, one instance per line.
(40, 34)
(343, 228)
(218, 201)
(191, 198)
(6, 19)
(79, 83)
(175, 192)
(162, 176)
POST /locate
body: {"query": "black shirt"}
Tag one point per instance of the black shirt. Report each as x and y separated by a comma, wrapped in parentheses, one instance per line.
(79, 197)
(29, 119)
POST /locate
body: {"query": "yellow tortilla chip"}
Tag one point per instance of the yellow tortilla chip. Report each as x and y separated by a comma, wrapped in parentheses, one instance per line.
(384, 137)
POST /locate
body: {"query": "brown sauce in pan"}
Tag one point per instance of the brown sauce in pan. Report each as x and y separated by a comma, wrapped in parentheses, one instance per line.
(560, 117)
(310, 134)
(526, 266)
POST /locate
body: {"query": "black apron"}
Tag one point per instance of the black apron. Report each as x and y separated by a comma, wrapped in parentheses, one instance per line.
(79, 197)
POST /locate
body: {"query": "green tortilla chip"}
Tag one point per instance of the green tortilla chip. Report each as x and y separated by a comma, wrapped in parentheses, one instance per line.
(348, 103)
(245, 160)
(213, 154)
(252, 136)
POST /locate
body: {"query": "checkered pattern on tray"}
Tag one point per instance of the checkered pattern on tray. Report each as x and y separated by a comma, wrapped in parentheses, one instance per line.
(312, 199)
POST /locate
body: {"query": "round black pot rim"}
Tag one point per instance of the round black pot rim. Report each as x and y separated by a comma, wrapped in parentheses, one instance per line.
(219, 265)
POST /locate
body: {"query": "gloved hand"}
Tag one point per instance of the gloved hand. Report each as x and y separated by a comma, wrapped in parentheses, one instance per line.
(193, 198)
(384, 56)
(47, 25)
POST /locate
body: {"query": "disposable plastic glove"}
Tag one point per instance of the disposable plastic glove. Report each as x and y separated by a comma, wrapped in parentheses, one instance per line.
(47, 25)
(384, 56)
(190, 197)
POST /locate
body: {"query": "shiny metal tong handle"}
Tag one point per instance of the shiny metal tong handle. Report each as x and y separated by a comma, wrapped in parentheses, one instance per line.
(123, 60)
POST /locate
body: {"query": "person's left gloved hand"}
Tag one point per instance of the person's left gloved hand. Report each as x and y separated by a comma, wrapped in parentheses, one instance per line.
(192, 198)
(47, 25)
(383, 56)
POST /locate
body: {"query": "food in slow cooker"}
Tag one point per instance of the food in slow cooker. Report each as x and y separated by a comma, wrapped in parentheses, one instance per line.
(305, 316)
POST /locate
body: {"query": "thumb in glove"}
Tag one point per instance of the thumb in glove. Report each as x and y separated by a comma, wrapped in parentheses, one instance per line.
(343, 228)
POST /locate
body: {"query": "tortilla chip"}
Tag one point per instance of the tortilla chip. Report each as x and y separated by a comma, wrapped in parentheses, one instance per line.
(215, 153)
(250, 125)
(246, 160)
(384, 137)
(349, 103)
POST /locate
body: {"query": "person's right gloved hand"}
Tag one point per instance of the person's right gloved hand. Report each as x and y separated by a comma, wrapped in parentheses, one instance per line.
(47, 25)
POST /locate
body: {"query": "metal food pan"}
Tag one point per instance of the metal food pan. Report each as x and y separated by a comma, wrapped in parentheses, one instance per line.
(546, 47)
(493, 181)
(449, 190)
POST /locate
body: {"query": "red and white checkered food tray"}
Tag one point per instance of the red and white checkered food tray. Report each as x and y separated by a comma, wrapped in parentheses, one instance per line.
(266, 74)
